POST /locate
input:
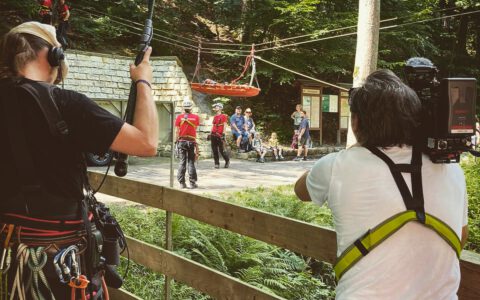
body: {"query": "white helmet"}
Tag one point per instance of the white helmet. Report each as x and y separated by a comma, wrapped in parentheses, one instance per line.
(187, 103)
(219, 105)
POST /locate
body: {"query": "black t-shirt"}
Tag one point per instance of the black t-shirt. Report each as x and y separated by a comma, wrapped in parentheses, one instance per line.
(57, 160)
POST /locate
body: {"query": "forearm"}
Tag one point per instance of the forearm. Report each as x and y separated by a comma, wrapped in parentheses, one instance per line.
(301, 188)
(146, 117)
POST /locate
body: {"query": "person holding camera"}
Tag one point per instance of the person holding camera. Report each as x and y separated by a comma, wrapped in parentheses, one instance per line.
(44, 171)
(400, 219)
(187, 124)
(217, 136)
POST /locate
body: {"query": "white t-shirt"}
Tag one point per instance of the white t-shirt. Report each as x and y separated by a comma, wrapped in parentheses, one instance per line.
(413, 263)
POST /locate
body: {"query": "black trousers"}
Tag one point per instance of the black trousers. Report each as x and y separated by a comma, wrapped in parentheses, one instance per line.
(62, 33)
(186, 154)
(217, 147)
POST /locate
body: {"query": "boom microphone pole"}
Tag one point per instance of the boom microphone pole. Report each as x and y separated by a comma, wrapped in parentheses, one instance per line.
(121, 165)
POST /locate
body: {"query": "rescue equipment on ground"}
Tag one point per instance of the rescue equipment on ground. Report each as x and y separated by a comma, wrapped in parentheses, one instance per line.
(414, 203)
(232, 89)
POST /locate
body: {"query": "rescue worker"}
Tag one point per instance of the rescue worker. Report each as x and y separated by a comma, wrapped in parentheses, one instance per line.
(45, 11)
(394, 240)
(44, 172)
(187, 146)
(63, 12)
(217, 136)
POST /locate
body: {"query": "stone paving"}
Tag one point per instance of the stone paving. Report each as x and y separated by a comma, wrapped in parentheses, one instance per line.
(241, 174)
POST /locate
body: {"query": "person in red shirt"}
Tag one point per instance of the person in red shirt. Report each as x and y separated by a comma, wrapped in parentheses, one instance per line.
(63, 12)
(45, 11)
(187, 147)
(217, 136)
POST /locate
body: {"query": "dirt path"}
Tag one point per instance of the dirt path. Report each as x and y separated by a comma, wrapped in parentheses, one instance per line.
(241, 174)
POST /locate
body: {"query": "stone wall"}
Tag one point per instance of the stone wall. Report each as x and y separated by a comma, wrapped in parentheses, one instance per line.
(105, 79)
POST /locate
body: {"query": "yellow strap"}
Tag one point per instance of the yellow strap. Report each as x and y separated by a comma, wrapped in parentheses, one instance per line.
(381, 232)
(188, 122)
(446, 232)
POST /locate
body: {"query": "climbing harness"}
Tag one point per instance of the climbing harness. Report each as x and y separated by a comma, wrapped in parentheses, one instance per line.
(414, 203)
(233, 89)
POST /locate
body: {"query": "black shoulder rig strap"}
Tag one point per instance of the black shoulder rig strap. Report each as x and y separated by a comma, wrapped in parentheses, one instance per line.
(43, 95)
(413, 201)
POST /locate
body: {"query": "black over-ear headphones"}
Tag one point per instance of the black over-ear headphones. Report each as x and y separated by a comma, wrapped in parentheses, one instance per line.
(55, 56)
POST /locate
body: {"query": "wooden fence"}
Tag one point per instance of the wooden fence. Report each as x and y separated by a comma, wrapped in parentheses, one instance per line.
(307, 239)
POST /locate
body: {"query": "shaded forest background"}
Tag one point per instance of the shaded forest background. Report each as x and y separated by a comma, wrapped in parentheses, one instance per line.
(453, 44)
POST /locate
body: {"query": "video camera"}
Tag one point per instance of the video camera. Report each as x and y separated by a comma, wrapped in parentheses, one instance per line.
(448, 120)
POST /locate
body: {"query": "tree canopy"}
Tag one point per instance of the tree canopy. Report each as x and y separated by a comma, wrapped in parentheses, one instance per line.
(409, 28)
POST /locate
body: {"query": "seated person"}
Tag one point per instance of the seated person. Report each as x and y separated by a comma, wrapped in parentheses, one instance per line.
(259, 148)
(274, 145)
(237, 122)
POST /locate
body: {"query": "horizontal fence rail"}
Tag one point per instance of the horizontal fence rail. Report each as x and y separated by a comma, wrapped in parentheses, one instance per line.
(306, 239)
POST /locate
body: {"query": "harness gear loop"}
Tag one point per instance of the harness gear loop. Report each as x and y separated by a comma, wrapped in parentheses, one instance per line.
(415, 211)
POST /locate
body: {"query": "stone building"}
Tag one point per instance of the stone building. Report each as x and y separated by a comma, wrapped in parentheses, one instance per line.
(105, 79)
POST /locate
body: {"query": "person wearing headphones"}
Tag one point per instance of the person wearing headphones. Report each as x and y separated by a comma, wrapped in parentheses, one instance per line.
(217, 136)
(187, 146)
(50, 187)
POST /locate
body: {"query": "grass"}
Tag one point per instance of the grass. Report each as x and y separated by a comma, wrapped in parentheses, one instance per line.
(472, 175)
(265, 266)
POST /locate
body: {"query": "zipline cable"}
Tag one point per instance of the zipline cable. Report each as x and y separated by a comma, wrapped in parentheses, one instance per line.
(216, 51)
(381, 28)
(167, 32)
(300, 74)
(165, 37)
(154, 38)
(268, 42)
(343, 28)
(139, 29)
(318, 33)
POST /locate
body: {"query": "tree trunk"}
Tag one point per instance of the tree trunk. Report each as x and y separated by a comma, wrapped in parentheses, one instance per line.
(245, 24)
(462, 36)
(367, 47)
(477, 44)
